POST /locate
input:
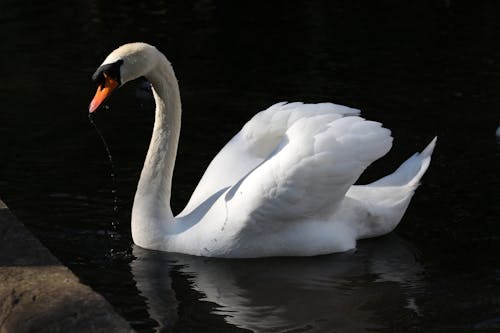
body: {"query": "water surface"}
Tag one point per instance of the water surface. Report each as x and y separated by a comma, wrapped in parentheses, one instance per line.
(423, 69)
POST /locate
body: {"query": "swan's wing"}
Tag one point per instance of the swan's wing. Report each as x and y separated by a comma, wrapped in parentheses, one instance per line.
(309, 172)
(253, 144)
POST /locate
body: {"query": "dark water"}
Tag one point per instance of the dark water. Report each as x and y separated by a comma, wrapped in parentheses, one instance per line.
(422, 68)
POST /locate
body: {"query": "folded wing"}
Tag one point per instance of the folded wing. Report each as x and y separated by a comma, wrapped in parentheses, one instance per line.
(306, 176)
(254, 143)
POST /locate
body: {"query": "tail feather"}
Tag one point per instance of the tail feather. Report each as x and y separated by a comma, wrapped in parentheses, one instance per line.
(376, 209)
(410, 172)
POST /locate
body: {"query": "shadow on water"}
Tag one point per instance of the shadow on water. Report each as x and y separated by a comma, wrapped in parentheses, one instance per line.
(341, 292)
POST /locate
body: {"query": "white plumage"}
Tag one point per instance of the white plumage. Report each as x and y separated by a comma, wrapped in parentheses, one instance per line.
(283, 186)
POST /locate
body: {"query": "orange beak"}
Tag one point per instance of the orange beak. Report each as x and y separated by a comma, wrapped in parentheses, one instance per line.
(103, 91)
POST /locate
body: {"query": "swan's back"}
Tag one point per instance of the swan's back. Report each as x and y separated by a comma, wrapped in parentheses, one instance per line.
(284, 185)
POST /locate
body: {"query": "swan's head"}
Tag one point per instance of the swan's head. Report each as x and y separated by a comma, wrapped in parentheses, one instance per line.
(126, 63)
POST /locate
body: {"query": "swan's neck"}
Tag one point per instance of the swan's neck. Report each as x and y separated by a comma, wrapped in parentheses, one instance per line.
(151, 213)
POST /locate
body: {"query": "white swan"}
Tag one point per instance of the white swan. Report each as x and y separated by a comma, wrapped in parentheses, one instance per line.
(283, 186)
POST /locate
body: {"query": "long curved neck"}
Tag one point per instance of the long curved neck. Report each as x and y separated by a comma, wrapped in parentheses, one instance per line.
(151, 211)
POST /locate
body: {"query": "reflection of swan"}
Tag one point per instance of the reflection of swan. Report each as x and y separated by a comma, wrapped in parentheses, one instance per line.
(281, 187)
(349, 292)
(151, 271)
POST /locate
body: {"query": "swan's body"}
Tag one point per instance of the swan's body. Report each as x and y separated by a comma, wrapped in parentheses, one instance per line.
(283, 186)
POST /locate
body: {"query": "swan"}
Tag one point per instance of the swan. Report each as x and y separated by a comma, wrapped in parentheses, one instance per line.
(282, 186)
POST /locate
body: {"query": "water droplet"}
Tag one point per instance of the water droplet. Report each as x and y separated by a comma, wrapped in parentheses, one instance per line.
(111, 173)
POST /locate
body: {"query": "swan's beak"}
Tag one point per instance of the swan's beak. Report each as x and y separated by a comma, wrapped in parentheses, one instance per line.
(103, 91)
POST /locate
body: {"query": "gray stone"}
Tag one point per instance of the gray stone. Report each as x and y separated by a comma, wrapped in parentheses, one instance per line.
(39, 294)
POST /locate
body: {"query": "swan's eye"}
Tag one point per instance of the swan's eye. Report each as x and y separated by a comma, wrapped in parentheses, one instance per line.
(110, 70)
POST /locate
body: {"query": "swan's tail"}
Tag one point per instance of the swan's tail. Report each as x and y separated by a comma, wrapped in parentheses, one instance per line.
(410, 172)
(379, 206)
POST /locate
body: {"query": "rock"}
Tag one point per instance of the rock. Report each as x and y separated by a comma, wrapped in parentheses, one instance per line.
(39, 294)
